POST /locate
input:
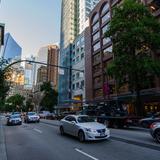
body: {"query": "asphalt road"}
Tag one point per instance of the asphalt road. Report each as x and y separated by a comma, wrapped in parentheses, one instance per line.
(43, 142)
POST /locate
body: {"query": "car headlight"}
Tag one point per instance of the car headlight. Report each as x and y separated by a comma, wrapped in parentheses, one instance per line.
(91, 130)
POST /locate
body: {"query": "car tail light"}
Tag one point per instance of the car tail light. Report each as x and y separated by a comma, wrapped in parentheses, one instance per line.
(153, 125)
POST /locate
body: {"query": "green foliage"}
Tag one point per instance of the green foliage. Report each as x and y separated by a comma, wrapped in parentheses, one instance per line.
(50, 96)
(29, 106)
(14, 103)
(135, 34)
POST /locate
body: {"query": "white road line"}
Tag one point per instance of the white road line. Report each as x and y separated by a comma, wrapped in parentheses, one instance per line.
(86, 154)
(37, 130)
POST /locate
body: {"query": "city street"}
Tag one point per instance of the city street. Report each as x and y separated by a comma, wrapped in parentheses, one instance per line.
(43, 142)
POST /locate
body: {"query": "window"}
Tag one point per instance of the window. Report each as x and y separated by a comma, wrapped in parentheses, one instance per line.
(107, 50)
(105, 17)
(77, 59)
(97, 68)
(105, 8)
(95, 18)
(98, 93)
(82, 84)
(97, 58)
(77, 75)
(73, 77)
(98, 80)
(95, 27)
(105, 28)
(73, 61)
(73, 86)
(96, 36)
(77, 85)
(96, 46)
(106, 40)
(82, 55)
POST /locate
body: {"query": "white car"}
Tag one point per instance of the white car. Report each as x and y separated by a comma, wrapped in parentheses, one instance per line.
(31, 117)
(14, 120)
(83, 127)
(45, 114)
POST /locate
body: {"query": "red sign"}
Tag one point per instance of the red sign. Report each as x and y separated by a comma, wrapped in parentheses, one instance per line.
(106, 88)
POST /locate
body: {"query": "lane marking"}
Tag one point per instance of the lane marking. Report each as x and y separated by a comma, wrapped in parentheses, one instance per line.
(86, 154)
(37, 130)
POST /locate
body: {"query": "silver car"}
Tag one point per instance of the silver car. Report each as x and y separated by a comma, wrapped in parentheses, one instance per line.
(155, 131)
(83, 127)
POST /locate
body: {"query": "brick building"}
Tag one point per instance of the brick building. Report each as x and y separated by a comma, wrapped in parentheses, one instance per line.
(98, 51)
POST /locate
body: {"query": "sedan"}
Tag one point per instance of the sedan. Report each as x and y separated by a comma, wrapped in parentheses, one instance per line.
(146, 122)
(155, 131)
(83, 127)
(31, 117)
(14, 120)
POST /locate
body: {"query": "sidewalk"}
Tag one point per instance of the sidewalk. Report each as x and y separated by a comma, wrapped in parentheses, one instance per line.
(3, 155)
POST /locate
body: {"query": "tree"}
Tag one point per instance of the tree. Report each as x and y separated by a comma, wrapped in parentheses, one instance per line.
(135, 34)
(50, 96)
(29, 106)
(4, 85)
(15, 103)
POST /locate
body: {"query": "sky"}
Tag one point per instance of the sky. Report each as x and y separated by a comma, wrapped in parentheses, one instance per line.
(32, 23)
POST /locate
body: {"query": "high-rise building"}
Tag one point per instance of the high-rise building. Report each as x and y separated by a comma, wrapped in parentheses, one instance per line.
(49, 56)
(77, 81)
(11, 49)
(29, 74)
(52, 71)
(85, 7)
(74, 15)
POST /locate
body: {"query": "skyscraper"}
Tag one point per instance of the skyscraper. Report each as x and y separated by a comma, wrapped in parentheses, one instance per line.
(11, 49)
(74, 14)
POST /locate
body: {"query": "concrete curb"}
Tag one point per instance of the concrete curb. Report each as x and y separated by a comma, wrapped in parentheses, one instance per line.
(141, 144)
(3, 154)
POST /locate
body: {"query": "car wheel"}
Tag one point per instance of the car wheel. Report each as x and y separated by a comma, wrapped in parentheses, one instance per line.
(61, 130)
(157, 136)
(81, 136)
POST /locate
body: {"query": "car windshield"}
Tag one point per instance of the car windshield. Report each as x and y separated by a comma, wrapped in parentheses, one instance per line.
(31, 113)
(84, 119)
(15, 116)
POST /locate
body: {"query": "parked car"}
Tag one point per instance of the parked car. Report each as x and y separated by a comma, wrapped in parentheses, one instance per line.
(14, 120)
(45, 114)
(31, 117)
(146, 122)
(83, 127)
(155, 131)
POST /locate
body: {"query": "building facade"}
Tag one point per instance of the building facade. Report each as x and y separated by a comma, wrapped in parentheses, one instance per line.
(52, 72)
(11, 49)
(101, 88)
(77, 82)
(74, 15)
